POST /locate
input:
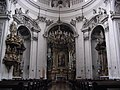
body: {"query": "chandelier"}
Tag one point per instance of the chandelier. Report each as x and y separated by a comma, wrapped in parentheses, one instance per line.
(60, 37)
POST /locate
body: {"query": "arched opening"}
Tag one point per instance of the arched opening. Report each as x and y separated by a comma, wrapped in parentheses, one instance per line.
(99, 54)
(61, 62)
(22, 70)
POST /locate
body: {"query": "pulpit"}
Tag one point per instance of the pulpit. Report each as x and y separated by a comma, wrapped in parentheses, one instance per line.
(14, 49)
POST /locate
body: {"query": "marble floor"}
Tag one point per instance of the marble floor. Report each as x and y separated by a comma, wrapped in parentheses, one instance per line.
(60, 86)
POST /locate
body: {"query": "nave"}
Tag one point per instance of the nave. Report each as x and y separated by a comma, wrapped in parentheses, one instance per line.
(41, 84)
(60, 86)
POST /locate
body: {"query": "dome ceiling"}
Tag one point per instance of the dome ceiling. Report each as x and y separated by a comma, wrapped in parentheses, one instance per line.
(65, 5)
(50, 8)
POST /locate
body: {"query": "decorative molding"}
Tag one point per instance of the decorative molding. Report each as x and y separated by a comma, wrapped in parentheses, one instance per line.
(115, 16)
(14, 1)
(40, 19)
(73, 22)
(107, 29)
(86, 35)
(62, 3)
(35, 30)
(49, 22)
(106, 2)
(3, 6)
(85, 29)
(35, 36)
(100, 18)
(117, 6)
(79, 18)
(25, 19)
(5, 16)
(99, 11)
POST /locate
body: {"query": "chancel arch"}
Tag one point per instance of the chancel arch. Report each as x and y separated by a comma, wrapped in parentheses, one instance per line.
(61, 53)
(99, 53)
(24, 32)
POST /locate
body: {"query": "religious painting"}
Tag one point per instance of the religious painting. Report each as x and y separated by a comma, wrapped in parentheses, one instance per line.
(61, 60)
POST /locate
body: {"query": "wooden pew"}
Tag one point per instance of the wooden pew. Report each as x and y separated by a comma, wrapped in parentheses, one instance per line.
(88, 84)
(31, 84)
(11, 85)
(104, 85)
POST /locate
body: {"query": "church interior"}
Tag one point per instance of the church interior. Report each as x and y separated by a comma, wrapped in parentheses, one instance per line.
(59, 44)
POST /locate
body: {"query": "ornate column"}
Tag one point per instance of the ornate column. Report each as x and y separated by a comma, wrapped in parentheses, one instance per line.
(111, 40)
(107, 39)
(87, 54)
(80, 73)
(4, 18)
(33, 54)
(114, 34)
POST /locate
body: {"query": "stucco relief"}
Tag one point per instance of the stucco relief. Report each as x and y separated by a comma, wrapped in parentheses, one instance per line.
(117, 6)
(2, 6)
(48, 22)
(25, 19)
(106, 2)
(73, 22)
(86, 36)
(35, 36)
(63, 3)
(14, 1)
(100, 18)
(40, 19)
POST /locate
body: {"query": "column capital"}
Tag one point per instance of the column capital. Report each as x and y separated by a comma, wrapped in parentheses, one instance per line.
(86, 32)
(35, 36)
(86, 35)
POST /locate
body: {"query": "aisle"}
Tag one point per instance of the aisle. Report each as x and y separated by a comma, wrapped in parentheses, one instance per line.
(60, 86)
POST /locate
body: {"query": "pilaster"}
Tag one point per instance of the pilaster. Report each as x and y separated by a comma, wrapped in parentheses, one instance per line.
(87, 53)
(4, 23)
(33, 54)
(116, 32)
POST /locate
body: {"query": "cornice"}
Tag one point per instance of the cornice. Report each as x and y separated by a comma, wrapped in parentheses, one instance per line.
(115, 16)
(5, 16)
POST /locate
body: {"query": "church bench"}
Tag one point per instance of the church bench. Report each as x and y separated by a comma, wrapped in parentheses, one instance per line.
(88, 84)
(12, 86)
(104, 85)
(80, 84)
(32, 84)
